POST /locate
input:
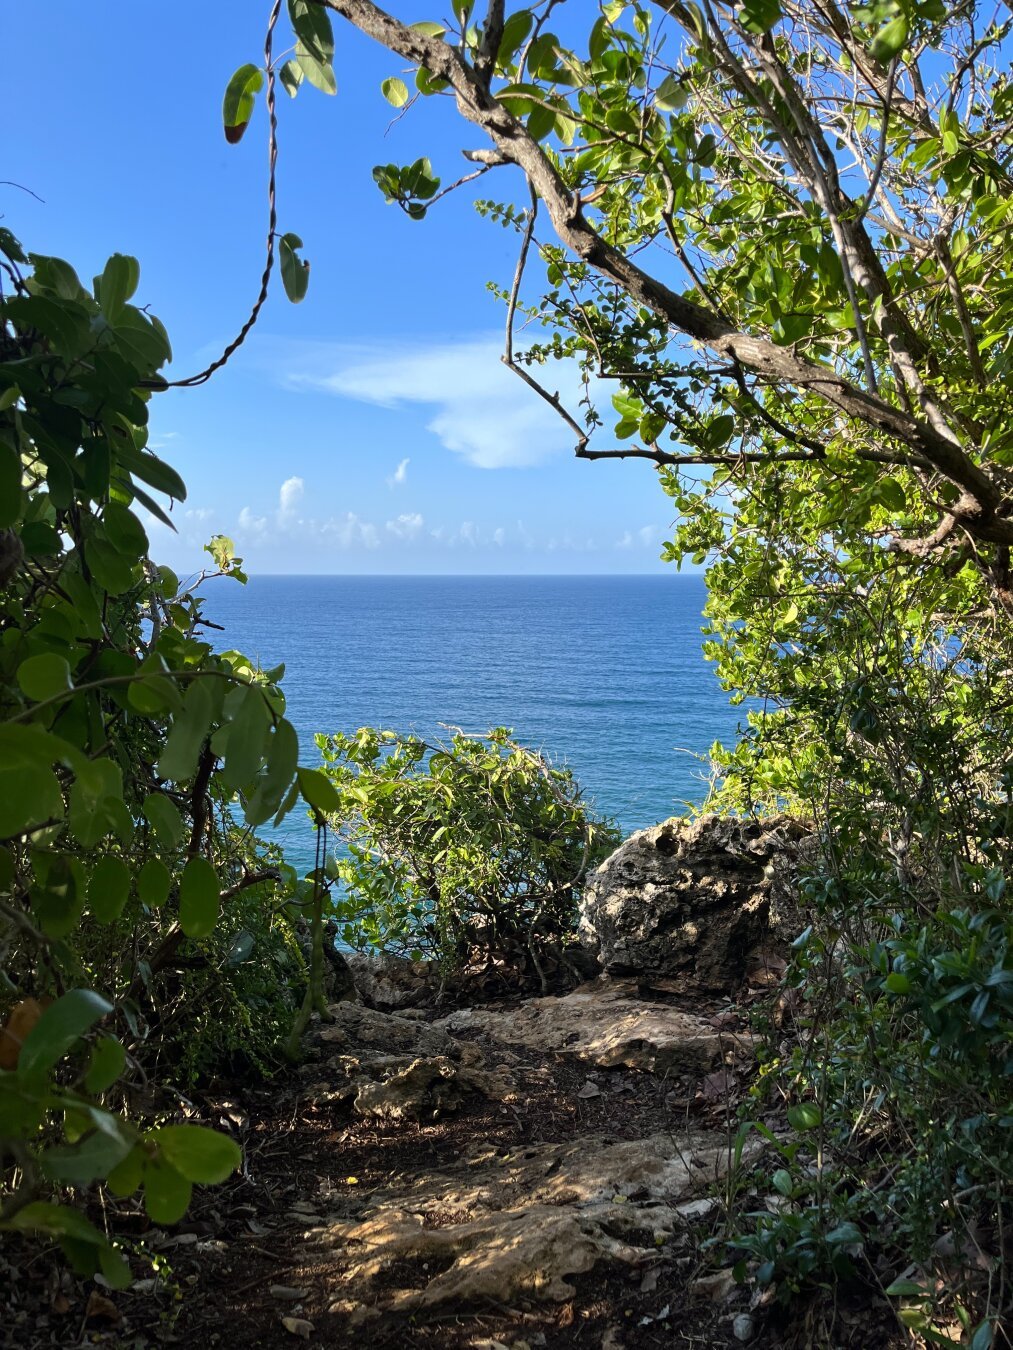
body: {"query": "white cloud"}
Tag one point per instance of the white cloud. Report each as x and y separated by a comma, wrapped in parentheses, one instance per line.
(399, 475)
(350, 531)
(482, 411)
(406, 526)
(251, 523)
(645, 537)
(289, 497)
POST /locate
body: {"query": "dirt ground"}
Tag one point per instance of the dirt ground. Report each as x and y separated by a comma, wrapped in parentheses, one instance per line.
(243, 1269)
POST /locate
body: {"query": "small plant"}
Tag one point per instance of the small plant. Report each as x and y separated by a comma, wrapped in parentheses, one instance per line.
(475, 850)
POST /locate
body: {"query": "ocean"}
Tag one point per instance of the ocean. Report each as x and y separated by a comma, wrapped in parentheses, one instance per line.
(604, 674)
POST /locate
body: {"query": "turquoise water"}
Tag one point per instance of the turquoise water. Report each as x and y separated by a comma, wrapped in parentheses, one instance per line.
(602, 673)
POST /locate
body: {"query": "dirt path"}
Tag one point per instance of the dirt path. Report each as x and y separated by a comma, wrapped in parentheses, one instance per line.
(561, 1197)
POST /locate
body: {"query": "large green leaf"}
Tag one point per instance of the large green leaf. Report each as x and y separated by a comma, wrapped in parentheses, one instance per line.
(240, 96)
(117, 284)
(45, 676)
(312, 25)
(10, 486)
(166, 1193)
(164, 817)
(108, 888)
(282, 755)
(59, 1028)
(246, 735)
(190, 727)
(198, 1153)
(199, 902)
(295, 271)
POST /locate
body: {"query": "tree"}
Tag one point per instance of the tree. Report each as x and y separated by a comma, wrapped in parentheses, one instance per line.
(780, 229)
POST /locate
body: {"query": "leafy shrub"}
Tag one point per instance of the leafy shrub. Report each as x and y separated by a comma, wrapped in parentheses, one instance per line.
(887, 722)
(131, 904)
(473, 850)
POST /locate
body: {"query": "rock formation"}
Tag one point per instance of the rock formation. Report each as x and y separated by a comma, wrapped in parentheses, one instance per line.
(689, 900)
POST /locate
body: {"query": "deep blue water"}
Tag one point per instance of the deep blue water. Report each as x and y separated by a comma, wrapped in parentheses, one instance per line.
(603, 673)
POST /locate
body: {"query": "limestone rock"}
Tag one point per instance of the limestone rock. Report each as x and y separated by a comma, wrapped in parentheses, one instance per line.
(528, 1222)
(425, 1089)
(390, 983)
(688, 900)
(604, 1023)
(355, 1028)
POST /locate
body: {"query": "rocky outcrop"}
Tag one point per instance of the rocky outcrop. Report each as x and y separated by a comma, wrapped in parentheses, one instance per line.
(393, 1068)
(392, 982)
(606, 1024)
(524, 1224)
(690, 900)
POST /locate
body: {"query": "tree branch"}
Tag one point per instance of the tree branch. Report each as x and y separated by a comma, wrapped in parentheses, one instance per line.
(983, 506)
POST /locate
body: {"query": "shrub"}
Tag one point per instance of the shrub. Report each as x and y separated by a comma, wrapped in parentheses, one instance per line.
(473, 850)
(130, 901)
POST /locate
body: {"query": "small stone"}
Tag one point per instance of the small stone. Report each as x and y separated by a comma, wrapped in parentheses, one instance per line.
(589, 1090)
(743, 1328)
(298, 1326)
(286, 1293)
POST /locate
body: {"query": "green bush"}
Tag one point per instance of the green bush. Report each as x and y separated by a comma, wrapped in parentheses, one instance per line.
(466, 852)
(139, 924)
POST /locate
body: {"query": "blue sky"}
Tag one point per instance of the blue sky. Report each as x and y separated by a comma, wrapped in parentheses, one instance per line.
(371, 428)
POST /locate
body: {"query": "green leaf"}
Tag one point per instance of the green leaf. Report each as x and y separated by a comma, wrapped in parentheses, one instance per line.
(199, 902)
(318, 790)
(805, 1116)
(282, 755)
(983, 1337)
(95, 797)
(244, 744)
(312, 26)
(845, 1235)
(117, 284)
(58, 895)
(319, 73)
(108, 888)
(295, 271)
(107, 1061)
(154, 882)
(57, 1220)
(59, 1028)
(240, 96)
(127, 1176)
(151, 470)
(46, 676)
(178, 760)
(897, 983)
(164, 817)
(890, 39)
(760, 16)
(782, 1182)
(906, 1289)
(166, 1193)
(395, 91)
(124, 531)
(198, 1153)
(11, 500)
(30, 796)
(91, 1157)
(291, 77)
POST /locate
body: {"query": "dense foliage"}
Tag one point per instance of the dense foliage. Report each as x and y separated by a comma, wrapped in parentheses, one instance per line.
(779, 233)
(471, 852)
(140, 923)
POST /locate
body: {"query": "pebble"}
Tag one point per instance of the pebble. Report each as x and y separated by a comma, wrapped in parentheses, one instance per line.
(286, 1292)
(743, 1327)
